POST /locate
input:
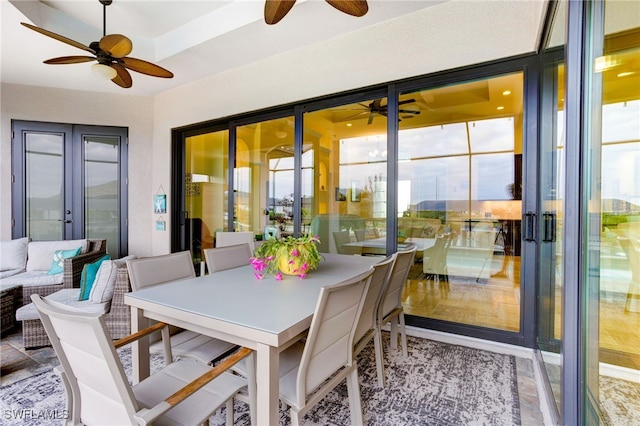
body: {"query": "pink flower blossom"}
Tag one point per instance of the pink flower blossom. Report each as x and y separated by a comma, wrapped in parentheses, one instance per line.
(278, 276)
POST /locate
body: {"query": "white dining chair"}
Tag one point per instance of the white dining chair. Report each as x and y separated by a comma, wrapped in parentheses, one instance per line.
(228, 257)
(434, 261)
(224, 239)
(98, 392)
(149, 271)
(367, 328)
(390, 308)
(310, 369)
(341, 238)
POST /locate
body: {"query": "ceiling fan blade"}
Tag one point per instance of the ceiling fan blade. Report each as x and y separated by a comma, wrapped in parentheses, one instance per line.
(59, 37)
(123, 78)
(370, 118)
(275, 10)
(116, 45)
(144, 67)
(351, 7)
(406, 101)
(408, 111)
(69, 60)
(356, 116)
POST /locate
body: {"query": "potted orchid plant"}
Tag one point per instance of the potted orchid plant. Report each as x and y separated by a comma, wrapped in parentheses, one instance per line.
(287, 255)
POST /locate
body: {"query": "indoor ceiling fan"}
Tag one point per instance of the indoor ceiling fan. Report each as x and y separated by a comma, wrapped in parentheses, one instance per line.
(110, 53)
(275, 10)
(376, 107)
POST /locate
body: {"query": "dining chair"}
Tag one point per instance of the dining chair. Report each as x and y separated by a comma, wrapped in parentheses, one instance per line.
(434, 263)
(150, 271)
(341, 238)
(366, 328)
(228, 257)
(224, 239)
(359, 233)
(310, 369)
(389, 307)
(97, 389)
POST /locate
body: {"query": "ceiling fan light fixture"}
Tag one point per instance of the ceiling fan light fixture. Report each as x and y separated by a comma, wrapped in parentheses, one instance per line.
(105, 72)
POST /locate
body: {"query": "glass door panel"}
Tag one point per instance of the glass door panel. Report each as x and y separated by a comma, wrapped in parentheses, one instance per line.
(206, 184)
(550, 267)
(264, 178)
(459, 181)
(102, 190)
(349, 145)
(612, 216)
(44, 186)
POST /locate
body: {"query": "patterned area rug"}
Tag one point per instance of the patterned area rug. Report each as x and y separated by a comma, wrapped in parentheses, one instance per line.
(438, 384)
(620, 401)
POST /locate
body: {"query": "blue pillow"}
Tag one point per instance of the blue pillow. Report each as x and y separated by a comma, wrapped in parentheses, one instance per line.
(57, 266)
(89, 273)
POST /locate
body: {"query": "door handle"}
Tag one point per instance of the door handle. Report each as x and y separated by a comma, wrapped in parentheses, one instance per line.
(65, 221)
(549, 227)
(530, 226)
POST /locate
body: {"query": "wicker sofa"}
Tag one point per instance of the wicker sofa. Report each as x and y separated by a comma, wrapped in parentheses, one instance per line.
(33, 276)
(117, 314)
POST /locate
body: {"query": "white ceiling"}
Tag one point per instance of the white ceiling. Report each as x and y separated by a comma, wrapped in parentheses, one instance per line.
(193, 39)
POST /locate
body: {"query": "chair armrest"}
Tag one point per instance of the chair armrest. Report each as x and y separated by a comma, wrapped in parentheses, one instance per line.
(148, 416)
(73, 266)
(139, 334)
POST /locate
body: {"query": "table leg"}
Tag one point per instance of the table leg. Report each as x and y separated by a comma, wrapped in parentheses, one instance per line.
(268, 385)
(139, 348)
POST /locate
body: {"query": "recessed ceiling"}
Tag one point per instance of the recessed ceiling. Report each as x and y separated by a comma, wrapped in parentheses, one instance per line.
(193, 39)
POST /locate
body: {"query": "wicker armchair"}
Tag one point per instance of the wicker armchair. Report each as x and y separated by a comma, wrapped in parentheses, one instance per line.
(72, 272)
(118, 318)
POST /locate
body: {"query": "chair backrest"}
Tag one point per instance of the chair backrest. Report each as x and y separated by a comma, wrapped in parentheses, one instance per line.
(392, 294)
(341, 238)
(329, 344)
(222, 258)
(437, 261)
(148, 271)
(367, 321)
(359, 234)
(91, 365)
(224, 239)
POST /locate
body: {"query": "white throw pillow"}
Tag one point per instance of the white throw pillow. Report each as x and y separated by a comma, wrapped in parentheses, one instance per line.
(13, 254)
(105, 282)
(40, 253)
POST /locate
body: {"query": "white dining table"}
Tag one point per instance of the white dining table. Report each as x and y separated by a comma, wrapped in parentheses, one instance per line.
(264, 315)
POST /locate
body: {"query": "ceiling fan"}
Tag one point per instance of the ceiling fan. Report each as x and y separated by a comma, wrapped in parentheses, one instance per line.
(376, 107)
(110, 53)
(275, 10)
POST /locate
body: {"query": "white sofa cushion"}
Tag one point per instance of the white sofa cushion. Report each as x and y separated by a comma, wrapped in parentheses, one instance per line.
(67, 297)
(10, 272)
(13, 254)
(33, 278)
(40, 253)
(105, 282)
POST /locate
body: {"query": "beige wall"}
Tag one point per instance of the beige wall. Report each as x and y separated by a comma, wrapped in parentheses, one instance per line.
(394, 50)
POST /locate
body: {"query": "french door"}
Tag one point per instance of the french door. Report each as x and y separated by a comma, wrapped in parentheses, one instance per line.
(69, 181)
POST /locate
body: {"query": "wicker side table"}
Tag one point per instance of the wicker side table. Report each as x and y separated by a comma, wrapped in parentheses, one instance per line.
(9, 301)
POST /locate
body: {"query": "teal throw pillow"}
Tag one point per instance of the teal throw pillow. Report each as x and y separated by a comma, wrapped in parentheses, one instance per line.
(88, 277)
(57, 266)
